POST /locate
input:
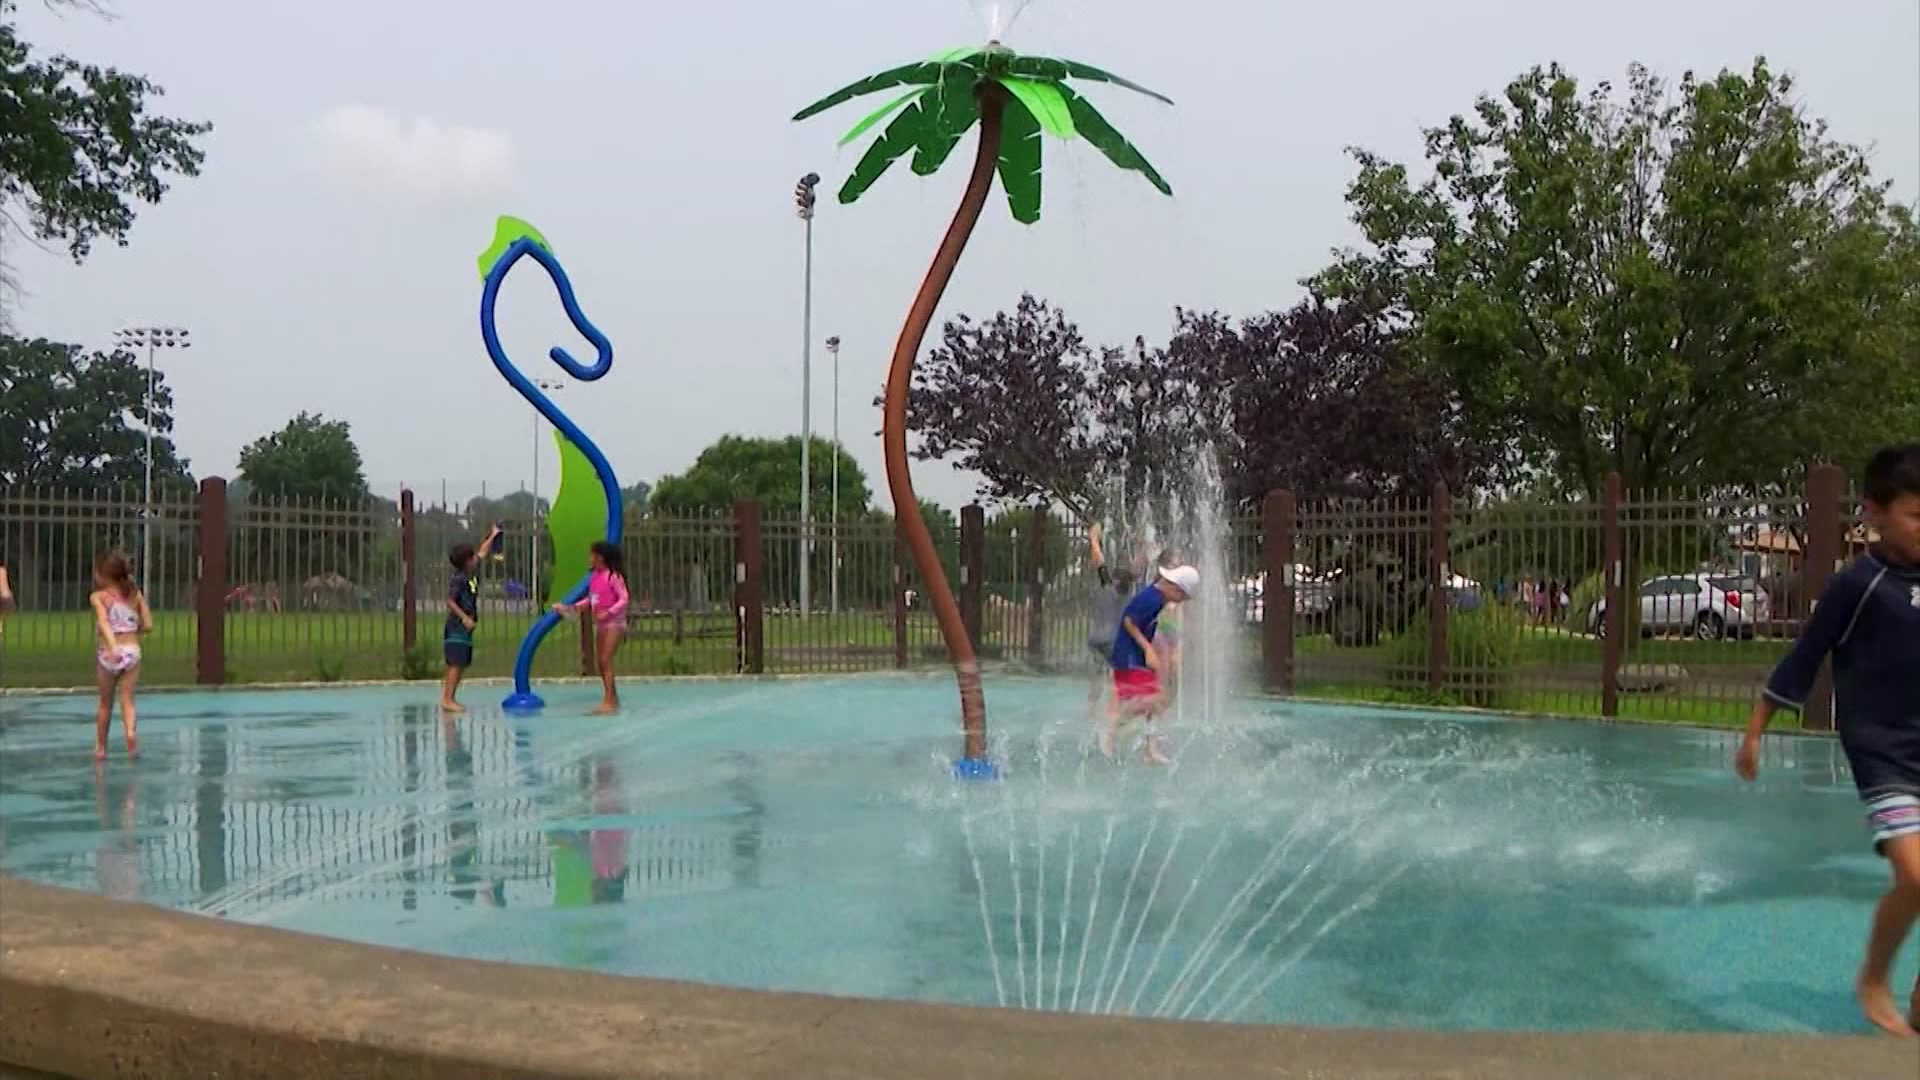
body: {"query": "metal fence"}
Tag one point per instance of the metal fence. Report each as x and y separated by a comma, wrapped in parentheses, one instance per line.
(1657, 605)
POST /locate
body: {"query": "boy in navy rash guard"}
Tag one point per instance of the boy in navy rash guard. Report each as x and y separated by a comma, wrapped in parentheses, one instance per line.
(1868, 620)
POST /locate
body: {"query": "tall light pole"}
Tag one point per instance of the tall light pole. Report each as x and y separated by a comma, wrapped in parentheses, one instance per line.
(803, 200)
(150, 338)
(833, 349)
(547, 386)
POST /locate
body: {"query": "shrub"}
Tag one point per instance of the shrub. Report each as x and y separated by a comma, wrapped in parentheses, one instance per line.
(329, 668)
(1483, 649)
(419, 663)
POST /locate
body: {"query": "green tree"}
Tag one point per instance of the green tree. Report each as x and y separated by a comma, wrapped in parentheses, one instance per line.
(77, 145)
(635, 500)
(310, 516)
(74, 423)
(1697, 287)
(1010, 549)
(767, 470)
(311, 458)
(74, 419)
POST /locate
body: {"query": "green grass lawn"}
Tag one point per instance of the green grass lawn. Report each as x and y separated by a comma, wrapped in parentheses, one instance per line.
(1556, 672)
(56, 648)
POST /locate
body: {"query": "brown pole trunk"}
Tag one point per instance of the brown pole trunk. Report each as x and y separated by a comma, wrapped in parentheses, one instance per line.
(906, 505)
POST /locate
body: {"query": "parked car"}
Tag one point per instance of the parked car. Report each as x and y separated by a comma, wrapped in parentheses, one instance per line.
(1707, 606)
(1312, 596)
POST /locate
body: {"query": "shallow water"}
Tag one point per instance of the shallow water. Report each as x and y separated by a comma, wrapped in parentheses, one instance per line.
(1299, 864)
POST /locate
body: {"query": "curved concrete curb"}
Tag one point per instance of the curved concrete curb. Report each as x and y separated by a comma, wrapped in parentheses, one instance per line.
(96, 988)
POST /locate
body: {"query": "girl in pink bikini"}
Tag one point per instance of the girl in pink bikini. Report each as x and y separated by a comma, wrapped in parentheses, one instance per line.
(607, 599)
(120, 616)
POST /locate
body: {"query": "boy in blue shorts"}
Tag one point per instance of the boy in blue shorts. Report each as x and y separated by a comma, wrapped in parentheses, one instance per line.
(1137, 662)
(463, 614)
(1868, 620)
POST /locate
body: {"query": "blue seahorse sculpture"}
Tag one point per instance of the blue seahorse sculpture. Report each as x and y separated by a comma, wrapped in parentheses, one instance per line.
(576, 518)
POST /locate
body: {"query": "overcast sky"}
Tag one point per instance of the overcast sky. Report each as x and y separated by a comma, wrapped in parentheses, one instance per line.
(325, 260)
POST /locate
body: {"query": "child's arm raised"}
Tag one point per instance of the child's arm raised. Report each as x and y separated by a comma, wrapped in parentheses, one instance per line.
(1792, 680)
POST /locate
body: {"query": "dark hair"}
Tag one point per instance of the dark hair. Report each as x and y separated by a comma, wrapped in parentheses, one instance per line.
(610, 554)
(1169, 558)
(112, 566)
(1893, 472)
(1123, 580)
(460, 556)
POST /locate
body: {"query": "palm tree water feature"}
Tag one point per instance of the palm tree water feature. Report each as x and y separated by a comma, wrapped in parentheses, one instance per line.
(577, 517)
(1015, 100)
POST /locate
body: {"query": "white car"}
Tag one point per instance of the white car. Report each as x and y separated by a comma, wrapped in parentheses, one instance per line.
(1312, 595)
(1705, 606)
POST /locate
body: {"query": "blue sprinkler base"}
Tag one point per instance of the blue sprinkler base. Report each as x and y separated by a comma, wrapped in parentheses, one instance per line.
(972, 768)
(523, 702)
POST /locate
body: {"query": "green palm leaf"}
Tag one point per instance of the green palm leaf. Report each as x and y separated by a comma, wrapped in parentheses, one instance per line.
(951, 113)
(1020, 162)
(1094, 128)
(924, 73)
(1046, 103)
(880, 114)
(1048, 68)
(902, 135)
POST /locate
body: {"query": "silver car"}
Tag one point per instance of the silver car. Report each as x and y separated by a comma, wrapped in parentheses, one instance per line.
(1705, 606)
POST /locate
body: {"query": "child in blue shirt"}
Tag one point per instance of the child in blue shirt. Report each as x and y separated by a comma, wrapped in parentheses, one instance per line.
(1868, 621)
(463, 614)
(1137, 662)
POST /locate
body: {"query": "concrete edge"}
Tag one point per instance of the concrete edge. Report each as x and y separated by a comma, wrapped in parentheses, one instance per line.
(98, 988)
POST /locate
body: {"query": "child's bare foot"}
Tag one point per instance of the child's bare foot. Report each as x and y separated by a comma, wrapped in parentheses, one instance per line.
(1876, 1001)
(1106, 742)
(133, 748)
(99, 751)
(607, 708)
(451, 706)
(1151, 754)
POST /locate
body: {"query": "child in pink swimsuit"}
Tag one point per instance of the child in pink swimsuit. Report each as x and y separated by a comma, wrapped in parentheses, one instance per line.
(607, 599)
(120, 616)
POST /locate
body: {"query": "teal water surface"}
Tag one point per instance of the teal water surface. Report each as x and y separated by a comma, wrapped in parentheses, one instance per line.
(1299, 864)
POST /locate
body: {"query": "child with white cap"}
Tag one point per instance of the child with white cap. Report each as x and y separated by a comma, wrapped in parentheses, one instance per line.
(1137, 663)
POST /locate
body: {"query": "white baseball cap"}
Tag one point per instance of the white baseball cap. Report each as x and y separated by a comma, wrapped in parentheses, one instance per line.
(1184, 576)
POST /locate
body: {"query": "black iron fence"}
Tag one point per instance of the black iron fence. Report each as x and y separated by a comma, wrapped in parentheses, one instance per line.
(1656, 605)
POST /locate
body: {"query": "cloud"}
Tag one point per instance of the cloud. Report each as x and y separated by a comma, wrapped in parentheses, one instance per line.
(421, 157)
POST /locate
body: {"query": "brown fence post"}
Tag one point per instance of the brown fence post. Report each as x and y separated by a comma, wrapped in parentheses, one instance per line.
(1036, 584)
(409, 585)
(1613, 590)
(1826, 487)
(749, 593)
(1439, 575)
(973, 571)
(1276, 599)
(210, 659)
(900, 658)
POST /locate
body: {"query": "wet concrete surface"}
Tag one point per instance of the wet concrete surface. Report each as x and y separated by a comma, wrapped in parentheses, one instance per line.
(92, 988)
